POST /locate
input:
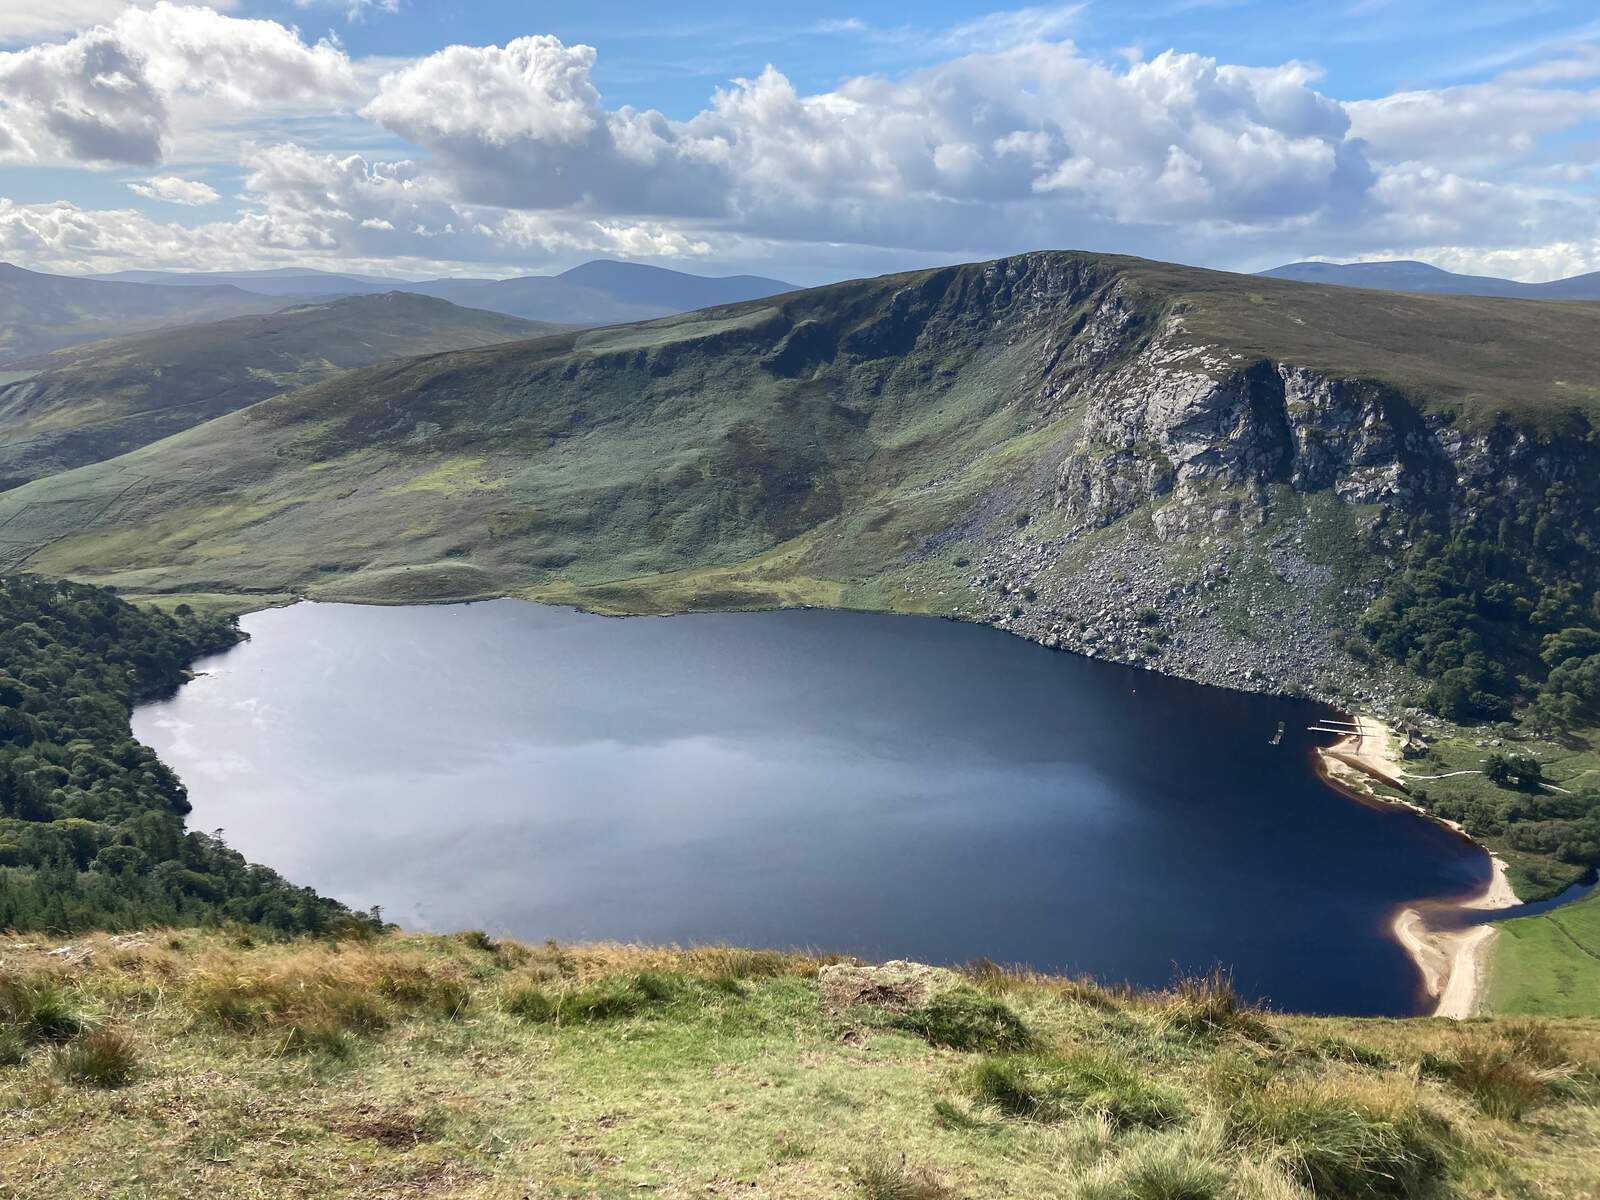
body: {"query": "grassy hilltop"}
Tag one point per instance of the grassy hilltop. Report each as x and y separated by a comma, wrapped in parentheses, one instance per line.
(190, 1063)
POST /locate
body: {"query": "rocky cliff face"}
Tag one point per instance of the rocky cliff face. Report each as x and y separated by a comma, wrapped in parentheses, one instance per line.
(1228, 519)
(1207, 439)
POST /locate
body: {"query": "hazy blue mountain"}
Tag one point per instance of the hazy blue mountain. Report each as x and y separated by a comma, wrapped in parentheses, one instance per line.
(40, 312)
(281, 281)
(1404, 275)
(602, 293)
(658, 285)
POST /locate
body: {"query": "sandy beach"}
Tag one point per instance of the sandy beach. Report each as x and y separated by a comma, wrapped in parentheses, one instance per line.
(1369, 753)
(1454, 962)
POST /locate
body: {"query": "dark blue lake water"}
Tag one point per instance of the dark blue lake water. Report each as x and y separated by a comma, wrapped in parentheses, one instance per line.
(887, 786)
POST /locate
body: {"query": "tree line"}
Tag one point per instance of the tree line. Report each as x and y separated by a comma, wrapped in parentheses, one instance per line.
(1499, 609)
(92, 830)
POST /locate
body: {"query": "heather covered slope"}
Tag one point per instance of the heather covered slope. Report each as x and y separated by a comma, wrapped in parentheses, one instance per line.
(585, 459)
(194, 1063)
(96, 401)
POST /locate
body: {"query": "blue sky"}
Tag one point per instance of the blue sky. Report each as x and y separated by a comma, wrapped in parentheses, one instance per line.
(868, 136)
(672, 60)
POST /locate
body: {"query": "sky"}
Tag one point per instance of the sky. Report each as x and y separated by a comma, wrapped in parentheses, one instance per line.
(809, 142)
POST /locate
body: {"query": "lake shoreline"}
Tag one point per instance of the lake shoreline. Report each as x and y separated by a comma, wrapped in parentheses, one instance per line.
(1454, 959)
(940, 665)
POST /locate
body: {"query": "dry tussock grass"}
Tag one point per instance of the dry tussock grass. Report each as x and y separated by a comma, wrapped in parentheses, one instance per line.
(358, 989)
(1190, 1092)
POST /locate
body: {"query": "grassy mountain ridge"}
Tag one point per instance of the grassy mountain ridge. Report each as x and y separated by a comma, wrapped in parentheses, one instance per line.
(1474, 358)
(95, 401)
(40, 312)
(839, 429)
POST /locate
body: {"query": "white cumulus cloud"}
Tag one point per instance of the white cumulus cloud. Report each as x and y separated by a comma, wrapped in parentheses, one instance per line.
(176, 191)
(1018, 139)
(1038, 133)
(1484, 124)
(111, 94)
(31, 20)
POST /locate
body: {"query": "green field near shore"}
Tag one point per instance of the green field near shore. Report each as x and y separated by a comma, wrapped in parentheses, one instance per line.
(1498, 816)
(1549, 965)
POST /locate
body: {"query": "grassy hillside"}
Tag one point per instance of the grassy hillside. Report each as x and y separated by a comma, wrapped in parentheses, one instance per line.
(803, 448)
(167, 1064)
(584, 459)
(41, 312)
(94, 402)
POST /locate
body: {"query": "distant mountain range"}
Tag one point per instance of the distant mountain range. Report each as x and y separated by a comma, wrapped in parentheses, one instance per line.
(40, 312)
(283, 281)
(602, 292)
(88, 403)
(1404, 275)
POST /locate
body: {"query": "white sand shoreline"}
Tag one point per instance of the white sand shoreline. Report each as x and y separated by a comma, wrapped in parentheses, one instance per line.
(1454, 962)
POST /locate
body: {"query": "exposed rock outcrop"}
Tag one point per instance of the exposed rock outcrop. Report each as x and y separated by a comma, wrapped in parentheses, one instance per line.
(1203, 504)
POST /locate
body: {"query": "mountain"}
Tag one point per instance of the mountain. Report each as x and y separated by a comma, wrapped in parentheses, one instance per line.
(41, 312)
(674, 290)
(92, 402)
(602, 293)
(281, 281)
(1380, 499)
(1407, 276)
(844, 443)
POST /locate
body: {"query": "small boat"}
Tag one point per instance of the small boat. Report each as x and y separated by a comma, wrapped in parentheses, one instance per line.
(1277, 737)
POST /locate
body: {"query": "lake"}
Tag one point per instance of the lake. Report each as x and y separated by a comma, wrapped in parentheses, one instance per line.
(885, 786)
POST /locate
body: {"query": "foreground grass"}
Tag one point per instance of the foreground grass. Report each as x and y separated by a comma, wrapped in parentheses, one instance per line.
(1549, 964)
(191, 1064)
